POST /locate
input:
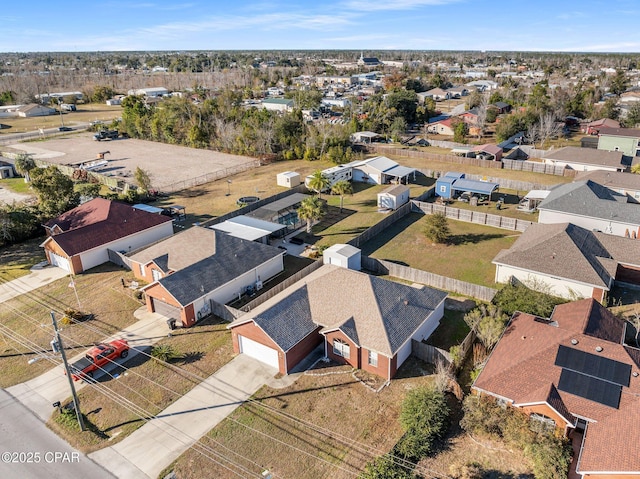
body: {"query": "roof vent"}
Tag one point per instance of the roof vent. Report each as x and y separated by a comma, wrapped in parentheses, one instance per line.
(406, 303)
(574, 341)
(635, 374)
(599, 349)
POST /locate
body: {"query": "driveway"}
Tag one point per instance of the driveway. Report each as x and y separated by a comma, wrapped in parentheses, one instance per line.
(154, 446)
(38, 394)
(40, 275)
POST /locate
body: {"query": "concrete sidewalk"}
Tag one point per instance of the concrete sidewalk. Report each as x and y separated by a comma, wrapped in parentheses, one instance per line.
(38, 394)
(163, 439)
(40, 275)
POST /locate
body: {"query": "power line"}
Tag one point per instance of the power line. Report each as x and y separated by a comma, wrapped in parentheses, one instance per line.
(348, 442)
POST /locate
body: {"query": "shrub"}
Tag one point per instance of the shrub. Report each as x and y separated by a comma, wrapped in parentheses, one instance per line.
(437, 228)
(384, 467)
(165, 352)
(519, 297)
(425, 417)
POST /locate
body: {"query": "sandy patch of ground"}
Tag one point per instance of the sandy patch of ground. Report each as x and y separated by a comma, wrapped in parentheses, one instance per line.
(168, 164)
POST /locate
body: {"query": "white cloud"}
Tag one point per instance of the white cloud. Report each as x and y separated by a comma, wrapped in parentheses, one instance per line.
(364, 6)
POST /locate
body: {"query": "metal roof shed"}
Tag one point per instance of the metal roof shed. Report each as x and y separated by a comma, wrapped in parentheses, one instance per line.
(249, 228)
(475, 186)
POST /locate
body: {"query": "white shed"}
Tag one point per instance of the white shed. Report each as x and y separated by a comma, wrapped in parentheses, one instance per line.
(288, 179)
(343, 255)
(393, 197)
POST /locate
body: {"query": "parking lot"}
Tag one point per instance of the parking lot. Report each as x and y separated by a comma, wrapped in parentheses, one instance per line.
(167, 164)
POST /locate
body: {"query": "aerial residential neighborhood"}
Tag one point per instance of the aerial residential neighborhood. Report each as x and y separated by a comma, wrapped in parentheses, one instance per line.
(262, 243)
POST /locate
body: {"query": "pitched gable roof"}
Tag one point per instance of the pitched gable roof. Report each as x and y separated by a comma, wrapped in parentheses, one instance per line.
(626, 132)
(523, 368)
(99, 222)
(562, 250)
(376, 314)
(230, 258)
(587, 198)
(587, 156)
(179, 251)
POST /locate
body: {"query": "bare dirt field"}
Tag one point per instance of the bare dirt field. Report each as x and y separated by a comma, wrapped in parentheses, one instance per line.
(167, 164)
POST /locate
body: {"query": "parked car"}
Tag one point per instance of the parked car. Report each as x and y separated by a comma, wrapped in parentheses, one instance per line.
(65, 128)
(98, 357)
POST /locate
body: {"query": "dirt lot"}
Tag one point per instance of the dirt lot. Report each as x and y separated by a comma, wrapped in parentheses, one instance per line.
(167, 163)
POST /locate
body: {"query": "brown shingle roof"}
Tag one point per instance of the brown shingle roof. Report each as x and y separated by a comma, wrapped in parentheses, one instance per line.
(99, 222)
(628, 132)
(180, 250)
(563, 250)
(522, 368)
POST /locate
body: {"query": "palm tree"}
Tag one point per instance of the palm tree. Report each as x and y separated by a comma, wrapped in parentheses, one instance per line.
(319, 182)
(310, 210)
(24, 164)
(342, 187)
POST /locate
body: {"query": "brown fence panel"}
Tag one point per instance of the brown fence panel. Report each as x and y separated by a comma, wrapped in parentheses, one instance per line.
(225, 312)
(430, 354)
(281, 286)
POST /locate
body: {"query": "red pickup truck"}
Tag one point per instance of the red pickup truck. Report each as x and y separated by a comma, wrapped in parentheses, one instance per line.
(99, 356)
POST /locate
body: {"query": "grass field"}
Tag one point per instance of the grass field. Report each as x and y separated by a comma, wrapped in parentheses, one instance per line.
(281, 431)
(18, 259)
(17, 185)
(85, 113)
(466, 257)
(29, 317)
(149, 385)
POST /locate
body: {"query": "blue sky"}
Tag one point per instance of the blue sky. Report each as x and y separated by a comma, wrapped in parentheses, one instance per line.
(559, 25)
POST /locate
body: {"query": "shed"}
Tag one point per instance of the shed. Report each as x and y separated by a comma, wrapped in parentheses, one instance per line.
(444, 183)
(288, 179)
(531, 201)
(148, 208)
(475, 186)
(393, 197)
(343, 255)
(364, 136)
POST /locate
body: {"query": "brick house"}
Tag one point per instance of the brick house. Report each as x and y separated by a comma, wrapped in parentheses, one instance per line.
(575, 372)
(362, 320)
(189, 270)
(79, 239)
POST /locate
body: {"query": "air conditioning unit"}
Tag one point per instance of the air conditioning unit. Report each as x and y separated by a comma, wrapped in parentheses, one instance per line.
(258, 285)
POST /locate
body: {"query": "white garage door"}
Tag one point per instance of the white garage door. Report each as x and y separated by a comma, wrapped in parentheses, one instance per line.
(258, 351)
(59, 261)
(165, 309)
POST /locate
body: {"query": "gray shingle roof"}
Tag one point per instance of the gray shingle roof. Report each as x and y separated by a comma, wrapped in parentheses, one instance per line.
(231, 258)
(563, 250)
(290, 322)
(587, 156)
(375, 313)
(587, 198)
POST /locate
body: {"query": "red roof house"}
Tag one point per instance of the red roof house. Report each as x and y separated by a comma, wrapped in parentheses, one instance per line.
(79, 239)
(576, 371)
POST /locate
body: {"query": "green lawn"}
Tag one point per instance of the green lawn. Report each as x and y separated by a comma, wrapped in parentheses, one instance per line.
(16, 185)
(467, 257)
(18, 259)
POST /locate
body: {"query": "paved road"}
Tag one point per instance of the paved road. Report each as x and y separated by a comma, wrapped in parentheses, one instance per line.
(158, 443)
(22, 434)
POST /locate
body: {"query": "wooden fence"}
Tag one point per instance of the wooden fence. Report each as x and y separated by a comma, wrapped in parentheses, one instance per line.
(225, 312)
(444, 283)
(427, 155)
(471, 216)
(281, 286)
(538, 167)
(430, 354)
(119, 258)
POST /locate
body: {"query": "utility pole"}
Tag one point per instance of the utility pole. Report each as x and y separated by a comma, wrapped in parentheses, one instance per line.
(76, 402)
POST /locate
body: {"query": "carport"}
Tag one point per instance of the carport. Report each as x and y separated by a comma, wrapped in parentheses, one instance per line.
(474, 186)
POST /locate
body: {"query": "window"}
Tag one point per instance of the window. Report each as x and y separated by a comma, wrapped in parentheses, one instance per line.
(443, 189)
(156, 274)
(340, 348)
(541, 423)
(373, 359)
(142, 271)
